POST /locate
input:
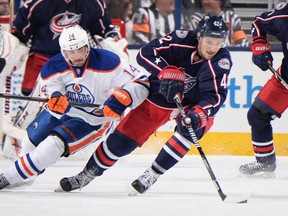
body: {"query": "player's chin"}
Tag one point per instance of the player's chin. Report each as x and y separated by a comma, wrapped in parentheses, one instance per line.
(78, 63)
(209, 56)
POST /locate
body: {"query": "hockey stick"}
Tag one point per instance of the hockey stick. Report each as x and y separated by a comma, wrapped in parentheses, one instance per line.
(225, 198)
(282, 81)
(2, 64)
(45, 100)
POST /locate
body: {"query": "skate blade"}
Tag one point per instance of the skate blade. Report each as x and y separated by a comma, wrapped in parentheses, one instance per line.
(258, 175)
(59, 189)
(133, 192)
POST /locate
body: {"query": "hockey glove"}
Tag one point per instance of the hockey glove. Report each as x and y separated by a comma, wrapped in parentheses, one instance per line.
(171, 82)
(58, 103)
(116, 104)
(196, 118)
(261, 53)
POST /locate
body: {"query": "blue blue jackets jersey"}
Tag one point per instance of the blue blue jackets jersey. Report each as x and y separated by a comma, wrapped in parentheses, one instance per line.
(45, 19)
(274, 23)
(206, 80)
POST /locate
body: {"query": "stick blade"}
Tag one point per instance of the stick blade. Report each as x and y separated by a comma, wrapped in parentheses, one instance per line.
(238, 199)
(2, 64)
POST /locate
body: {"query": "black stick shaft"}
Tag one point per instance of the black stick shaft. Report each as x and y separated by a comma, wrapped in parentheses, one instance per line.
(282, 81)
(201, 152)
(45, 100)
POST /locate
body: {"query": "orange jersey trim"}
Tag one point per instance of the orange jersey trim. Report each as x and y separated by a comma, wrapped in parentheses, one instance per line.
(85, 142)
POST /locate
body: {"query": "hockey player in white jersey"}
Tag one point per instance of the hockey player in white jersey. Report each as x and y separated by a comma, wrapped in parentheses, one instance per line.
(84, 75)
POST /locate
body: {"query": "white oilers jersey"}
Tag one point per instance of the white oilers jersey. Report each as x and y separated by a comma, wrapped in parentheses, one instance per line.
(93, 83)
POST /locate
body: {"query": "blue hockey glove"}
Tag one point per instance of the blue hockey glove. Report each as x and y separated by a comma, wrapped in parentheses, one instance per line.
(196, 118)
(116, 104)
(171, 82)
(261, 53)
(58, 103)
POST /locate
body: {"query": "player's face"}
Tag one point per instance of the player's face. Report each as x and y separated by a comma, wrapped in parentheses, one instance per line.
(77, 57)
(208, 46)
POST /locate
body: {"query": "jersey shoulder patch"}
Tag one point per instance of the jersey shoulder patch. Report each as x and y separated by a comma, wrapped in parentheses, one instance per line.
(181, 33)
(281, 5)
(224, 63)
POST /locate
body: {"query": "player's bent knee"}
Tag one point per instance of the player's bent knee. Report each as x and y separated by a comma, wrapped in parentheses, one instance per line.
(119, 144)
(257, 119)
(47, 152)
(27, 146)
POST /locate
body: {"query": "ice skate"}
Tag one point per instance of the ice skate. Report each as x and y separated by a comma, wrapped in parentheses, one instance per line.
(68, 184)
(145, 181)
(3, 181)
(258, 169)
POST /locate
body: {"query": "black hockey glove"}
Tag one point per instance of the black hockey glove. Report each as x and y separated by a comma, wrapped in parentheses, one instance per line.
(171, 82)
(196, 118)
(261, 53)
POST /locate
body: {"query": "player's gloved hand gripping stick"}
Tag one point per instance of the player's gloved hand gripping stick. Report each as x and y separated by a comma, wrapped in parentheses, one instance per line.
(117, 103)
(261, 53)
(171, 82)
(58, 103)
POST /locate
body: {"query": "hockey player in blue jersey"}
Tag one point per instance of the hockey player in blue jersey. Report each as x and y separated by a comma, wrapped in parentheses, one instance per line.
(271, 101)
(194, 63)
(78, 74)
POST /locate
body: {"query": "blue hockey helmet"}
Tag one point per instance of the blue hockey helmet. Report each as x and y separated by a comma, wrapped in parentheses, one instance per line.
(212, 26)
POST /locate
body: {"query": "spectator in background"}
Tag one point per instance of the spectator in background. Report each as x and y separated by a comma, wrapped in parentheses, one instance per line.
(154, 22)
(122, 9)
(4, 7)
(236, 35)
(142, 3)
(226, 4)
(188, 7)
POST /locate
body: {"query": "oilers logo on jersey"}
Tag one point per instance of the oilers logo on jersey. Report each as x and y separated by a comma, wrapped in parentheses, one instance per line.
(79, 93)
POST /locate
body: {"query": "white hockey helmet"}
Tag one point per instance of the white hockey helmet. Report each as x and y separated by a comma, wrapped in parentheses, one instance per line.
(73, 38)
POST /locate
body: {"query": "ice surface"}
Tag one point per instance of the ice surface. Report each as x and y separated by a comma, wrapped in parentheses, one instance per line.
(187, 189)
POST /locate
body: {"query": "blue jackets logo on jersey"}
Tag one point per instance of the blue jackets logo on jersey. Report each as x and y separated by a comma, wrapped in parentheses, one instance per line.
(63, 20)
(79, 93)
